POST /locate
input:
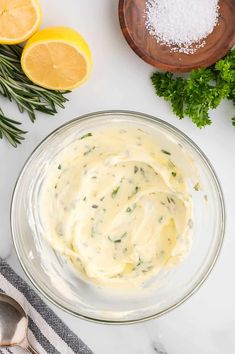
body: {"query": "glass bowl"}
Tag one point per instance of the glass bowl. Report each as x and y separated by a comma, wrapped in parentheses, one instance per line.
(56, 280)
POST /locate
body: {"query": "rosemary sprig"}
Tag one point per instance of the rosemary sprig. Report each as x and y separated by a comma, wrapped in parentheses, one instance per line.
(15, 86)
(9, 130)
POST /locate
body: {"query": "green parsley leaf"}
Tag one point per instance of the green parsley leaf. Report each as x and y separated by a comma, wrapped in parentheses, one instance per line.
(86, 136)
(115, 191)
(198, 92)
(165, 152)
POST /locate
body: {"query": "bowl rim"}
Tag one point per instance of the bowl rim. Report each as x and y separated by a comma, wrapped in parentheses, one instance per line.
(207, 57)
(217, 185)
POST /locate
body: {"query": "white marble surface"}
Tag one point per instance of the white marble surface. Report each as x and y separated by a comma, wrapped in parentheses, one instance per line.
(205, 324)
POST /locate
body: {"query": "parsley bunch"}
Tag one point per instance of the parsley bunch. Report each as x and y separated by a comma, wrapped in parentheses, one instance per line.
(202, 90)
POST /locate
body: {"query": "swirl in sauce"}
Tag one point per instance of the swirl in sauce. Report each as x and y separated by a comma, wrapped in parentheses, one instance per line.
(117, 206)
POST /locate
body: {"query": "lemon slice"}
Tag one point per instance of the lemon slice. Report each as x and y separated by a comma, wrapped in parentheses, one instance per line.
(19, 19)
(57, 58)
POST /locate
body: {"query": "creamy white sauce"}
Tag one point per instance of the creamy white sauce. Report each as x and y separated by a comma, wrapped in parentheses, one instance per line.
(116, 204)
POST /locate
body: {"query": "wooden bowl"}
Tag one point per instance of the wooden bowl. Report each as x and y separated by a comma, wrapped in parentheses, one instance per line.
(132, 20)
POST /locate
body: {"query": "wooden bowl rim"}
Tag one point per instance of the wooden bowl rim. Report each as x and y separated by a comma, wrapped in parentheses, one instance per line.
(206, 62)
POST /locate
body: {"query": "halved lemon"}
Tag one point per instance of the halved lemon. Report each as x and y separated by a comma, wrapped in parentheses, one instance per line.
(19, 19)
(57, 58)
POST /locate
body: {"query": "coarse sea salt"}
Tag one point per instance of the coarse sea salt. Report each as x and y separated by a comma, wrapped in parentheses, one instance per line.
(181, 24)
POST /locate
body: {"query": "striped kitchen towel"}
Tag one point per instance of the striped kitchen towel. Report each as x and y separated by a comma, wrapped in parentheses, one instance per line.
(47, 333)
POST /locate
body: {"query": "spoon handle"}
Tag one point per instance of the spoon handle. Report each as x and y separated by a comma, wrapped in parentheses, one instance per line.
(31, 350)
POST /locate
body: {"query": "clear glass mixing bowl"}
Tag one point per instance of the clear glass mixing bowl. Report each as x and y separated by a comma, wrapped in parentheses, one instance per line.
(54, 277)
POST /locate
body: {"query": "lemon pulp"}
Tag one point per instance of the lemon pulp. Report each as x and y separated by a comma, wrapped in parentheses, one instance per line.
(57, 58)
(19, 19)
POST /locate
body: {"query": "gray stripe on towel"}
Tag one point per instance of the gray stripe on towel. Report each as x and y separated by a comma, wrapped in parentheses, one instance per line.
(49, 316)
(45, 343)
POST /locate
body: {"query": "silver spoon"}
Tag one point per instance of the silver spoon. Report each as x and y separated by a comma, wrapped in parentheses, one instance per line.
(13, 324)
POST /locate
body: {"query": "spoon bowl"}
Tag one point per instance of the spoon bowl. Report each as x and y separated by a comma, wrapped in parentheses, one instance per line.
(13, 324)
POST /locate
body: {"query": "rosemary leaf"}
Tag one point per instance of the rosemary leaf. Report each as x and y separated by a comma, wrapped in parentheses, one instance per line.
(9, 130)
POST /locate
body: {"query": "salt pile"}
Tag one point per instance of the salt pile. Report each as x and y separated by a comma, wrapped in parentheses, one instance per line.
(181, 24)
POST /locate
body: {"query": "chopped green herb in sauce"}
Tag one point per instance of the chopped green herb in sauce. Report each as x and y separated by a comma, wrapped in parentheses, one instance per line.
(173, 174)
(165, 152)
(119, 239)
(115, 192)
(147, 269)
(89, 151)
(136, 169)
(86, 136)
(59, 167)
(115, 241)
(142, 171)
(139, 263)
(197, 186)
(130, 210)
(136, 190)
